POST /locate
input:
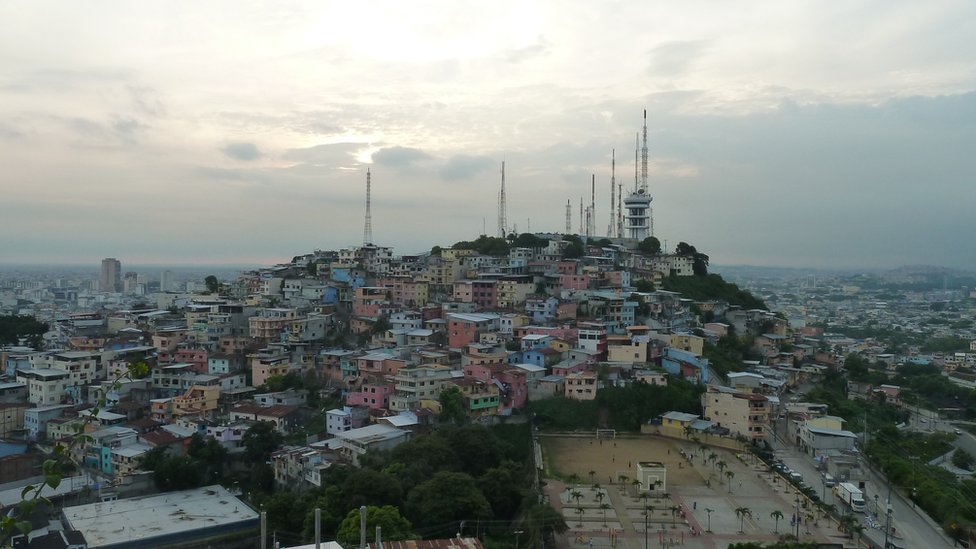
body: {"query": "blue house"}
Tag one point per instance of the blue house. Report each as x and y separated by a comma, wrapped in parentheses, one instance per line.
(686, 365)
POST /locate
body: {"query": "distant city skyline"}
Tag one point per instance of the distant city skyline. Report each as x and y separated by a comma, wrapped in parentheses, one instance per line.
(796, 134)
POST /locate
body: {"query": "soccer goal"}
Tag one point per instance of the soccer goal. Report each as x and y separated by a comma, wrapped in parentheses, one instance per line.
(606, 433)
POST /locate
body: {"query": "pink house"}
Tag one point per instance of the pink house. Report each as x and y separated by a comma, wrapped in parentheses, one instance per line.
(196, 357)
(574, 282)
(373, 394)
(515, 382)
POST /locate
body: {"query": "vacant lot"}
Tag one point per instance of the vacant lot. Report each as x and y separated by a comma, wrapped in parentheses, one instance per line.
(611, 458)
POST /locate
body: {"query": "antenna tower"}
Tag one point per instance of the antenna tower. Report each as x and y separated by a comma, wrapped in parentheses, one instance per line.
(620, 210)
(582, 228)
(569, 217)
(613, 191)
(591, 226)
(644, 157)
(368, 228)
(636, 152)
(502, 222)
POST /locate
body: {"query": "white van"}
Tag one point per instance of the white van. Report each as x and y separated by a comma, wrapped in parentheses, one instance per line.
(829, 481)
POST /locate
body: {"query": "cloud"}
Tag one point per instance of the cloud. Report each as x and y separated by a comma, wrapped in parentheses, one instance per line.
(331, 155)
(242, 151)
(399, 156)
(673, 59)
(463, 167)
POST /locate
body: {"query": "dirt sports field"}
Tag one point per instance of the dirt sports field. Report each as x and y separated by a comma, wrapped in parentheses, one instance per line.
(611, 458)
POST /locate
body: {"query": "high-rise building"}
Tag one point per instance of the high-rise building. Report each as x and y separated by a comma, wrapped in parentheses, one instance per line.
(111, 280)
(129, 282)
(166, 281)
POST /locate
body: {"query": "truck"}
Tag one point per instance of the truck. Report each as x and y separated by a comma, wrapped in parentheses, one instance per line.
(851, 495)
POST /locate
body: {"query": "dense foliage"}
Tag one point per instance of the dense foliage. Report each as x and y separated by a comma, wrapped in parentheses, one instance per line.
(712, 287)
(727, 354)
(422, 488)
(14, 327)
(485, 245)
(623, 408)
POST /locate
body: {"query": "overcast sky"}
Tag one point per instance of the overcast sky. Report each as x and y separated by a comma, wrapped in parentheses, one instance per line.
(828, 134)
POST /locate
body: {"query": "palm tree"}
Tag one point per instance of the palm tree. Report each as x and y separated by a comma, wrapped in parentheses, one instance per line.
(776, 515)
(702, 448)
(829, 509)
(721, 466)
(847, 524)
(623, 479)
(730, 475)
(596, 486)
(742, 513)
(712, 457)
(709, 527)
(636, 483)
(592, 474)
(600, 496)
(604, 507)
(674, 511)
(577, 495)
(572, 479)
(579, 511)
(857, 529)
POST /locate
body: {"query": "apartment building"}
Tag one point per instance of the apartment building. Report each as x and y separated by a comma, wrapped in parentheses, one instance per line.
(745, 414)
(414, 385)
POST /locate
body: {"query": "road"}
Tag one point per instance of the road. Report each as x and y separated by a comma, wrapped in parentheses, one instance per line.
(912, 529)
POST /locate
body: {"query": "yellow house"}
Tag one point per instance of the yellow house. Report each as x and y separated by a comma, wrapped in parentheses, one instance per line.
(687, 342)
(676, 424)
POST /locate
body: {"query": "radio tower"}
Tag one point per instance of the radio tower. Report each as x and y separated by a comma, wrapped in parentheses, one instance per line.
(502, 222)
(368, 228)
(569, 217)
(591, 217)
(613, 192)
(650, 210)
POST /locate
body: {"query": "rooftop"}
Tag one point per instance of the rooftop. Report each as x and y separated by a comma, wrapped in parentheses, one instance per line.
(150, 517)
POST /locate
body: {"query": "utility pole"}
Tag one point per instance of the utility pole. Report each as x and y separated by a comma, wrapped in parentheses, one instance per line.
(888, 513)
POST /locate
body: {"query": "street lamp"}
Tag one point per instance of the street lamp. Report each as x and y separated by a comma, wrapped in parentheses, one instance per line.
(798, 515)
(517, 532)
(709, 511)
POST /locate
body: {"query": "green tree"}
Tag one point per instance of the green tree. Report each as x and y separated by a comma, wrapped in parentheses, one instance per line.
(15, 327)
(776, 515)
(650, 246)
(452, 405)
(447, 497)
(504, 487)
(962, 459)
(644, 286)
(539, 522)
(259, 441)
(369, 487)
(394, 526)
(742, 513)
(213, 285)
(210, 456)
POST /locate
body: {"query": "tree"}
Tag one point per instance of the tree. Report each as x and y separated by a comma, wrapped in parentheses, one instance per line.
(650, 246)
(213, 285)
(580, 511)
(699, 260)
(394, 526)
(730, 475)
(644, 286)
(540, 521)
(776, 515)
(447, 497)
(259, 441)
(452, 405)
(742, 513)
(962, 459)
(381, 325)
(209, 454)
(504, 487)
(604, 507)
(369, 487)
(15, 327)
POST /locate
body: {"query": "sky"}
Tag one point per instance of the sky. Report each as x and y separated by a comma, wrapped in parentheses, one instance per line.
(798, 133)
